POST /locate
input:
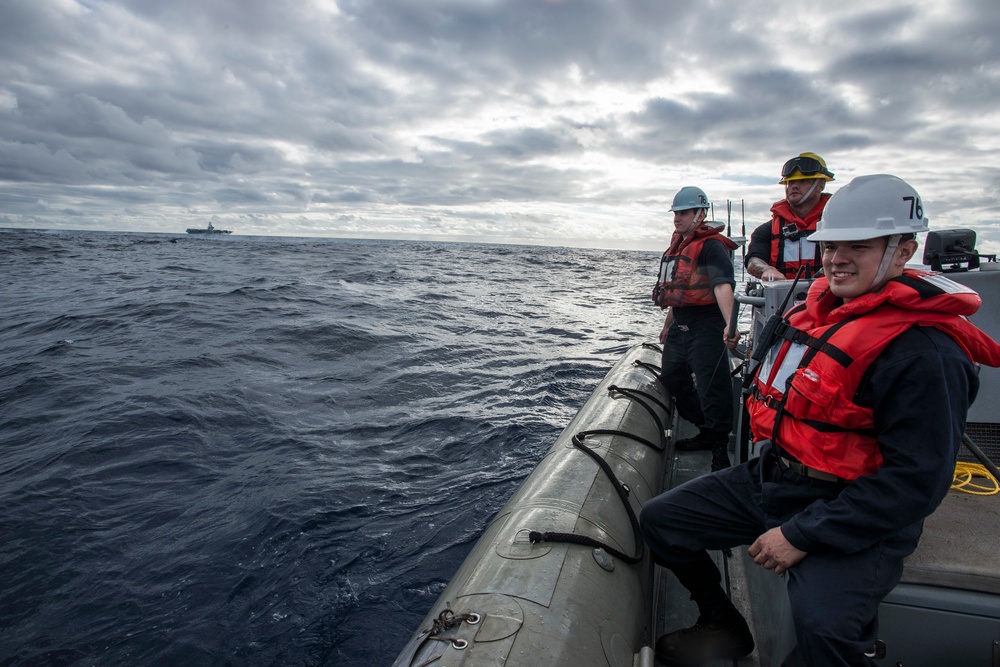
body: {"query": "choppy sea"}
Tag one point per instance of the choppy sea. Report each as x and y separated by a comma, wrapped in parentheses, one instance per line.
(274, 451)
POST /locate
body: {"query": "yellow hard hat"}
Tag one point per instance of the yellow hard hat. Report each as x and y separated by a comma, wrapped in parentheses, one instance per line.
(806, 165)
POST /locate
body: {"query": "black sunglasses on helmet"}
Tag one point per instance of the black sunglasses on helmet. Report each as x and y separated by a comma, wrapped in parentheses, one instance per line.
(807, 165)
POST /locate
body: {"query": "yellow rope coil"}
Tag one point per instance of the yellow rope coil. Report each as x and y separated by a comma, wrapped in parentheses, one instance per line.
(968, 478)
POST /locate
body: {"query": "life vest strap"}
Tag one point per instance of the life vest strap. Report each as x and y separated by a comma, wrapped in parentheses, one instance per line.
(790, 333)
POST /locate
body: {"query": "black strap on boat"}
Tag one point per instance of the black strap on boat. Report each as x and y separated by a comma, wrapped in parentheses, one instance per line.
(582, 435)
(637, 395)
(572, 538)
(653, 368)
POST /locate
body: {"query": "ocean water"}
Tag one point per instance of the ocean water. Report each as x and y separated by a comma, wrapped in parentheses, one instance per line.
(264, 451)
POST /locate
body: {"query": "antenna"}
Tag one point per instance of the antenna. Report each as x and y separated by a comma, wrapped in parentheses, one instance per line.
(743, 250)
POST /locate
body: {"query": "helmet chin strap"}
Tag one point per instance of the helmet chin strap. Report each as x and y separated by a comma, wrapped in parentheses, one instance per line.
(883, 267)
(809, 192)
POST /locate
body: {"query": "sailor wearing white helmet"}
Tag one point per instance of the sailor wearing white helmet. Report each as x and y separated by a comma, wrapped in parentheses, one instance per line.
(858, 411)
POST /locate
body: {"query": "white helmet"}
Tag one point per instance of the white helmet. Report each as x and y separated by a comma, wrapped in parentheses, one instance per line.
(689, 197)
(869, 207)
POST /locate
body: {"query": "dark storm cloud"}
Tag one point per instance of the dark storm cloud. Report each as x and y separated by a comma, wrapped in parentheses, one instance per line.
(493, 117)
(527, 38)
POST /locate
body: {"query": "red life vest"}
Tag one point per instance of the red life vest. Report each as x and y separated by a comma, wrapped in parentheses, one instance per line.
(679, 284)
(789, 246)
(803, 393)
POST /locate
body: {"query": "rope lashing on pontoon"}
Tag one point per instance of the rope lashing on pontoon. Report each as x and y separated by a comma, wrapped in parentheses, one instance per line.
(653, 368)
(622, 490)
(637, 396)
(657, 372)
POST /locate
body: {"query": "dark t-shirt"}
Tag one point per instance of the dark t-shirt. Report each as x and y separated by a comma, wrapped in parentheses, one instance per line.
(760, 244)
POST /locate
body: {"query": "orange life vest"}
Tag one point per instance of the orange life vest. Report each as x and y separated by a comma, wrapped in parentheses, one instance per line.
(790, 247)
(679, 284)
(803, 392)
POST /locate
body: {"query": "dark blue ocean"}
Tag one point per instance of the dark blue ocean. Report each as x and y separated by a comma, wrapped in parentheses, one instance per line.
(273, 451)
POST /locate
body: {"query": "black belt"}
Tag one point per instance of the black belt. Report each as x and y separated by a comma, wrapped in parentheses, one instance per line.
(806, 471)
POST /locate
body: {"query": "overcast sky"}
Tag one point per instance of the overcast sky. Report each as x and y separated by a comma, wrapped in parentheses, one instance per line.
(557, 122)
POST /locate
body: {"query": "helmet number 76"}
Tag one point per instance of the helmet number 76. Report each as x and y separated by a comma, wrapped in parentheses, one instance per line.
(915, 207)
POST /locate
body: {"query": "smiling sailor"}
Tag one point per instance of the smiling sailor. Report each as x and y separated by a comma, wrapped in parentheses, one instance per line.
(859, 410)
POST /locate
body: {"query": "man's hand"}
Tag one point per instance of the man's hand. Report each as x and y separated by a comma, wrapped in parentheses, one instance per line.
(760, 269)
(774, 552)
(667, 321)
(731, 341)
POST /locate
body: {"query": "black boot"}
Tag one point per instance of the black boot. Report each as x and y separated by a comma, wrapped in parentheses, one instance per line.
(720, 456)
(724, 638)
(721, 631)
(707, 439)
(703, 440)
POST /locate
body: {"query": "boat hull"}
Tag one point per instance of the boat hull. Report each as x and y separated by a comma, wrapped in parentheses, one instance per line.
(524, 603)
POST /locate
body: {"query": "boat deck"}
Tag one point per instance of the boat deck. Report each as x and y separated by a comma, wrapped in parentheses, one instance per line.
(959, 546)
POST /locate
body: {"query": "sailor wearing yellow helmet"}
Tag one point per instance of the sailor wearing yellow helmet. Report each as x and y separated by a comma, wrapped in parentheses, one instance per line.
(779, 248)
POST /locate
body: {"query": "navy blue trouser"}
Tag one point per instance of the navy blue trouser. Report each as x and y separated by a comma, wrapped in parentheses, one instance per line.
(834, 596)
(698, 348)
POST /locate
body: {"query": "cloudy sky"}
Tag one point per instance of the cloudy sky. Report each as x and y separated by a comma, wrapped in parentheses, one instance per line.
(566, 122)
